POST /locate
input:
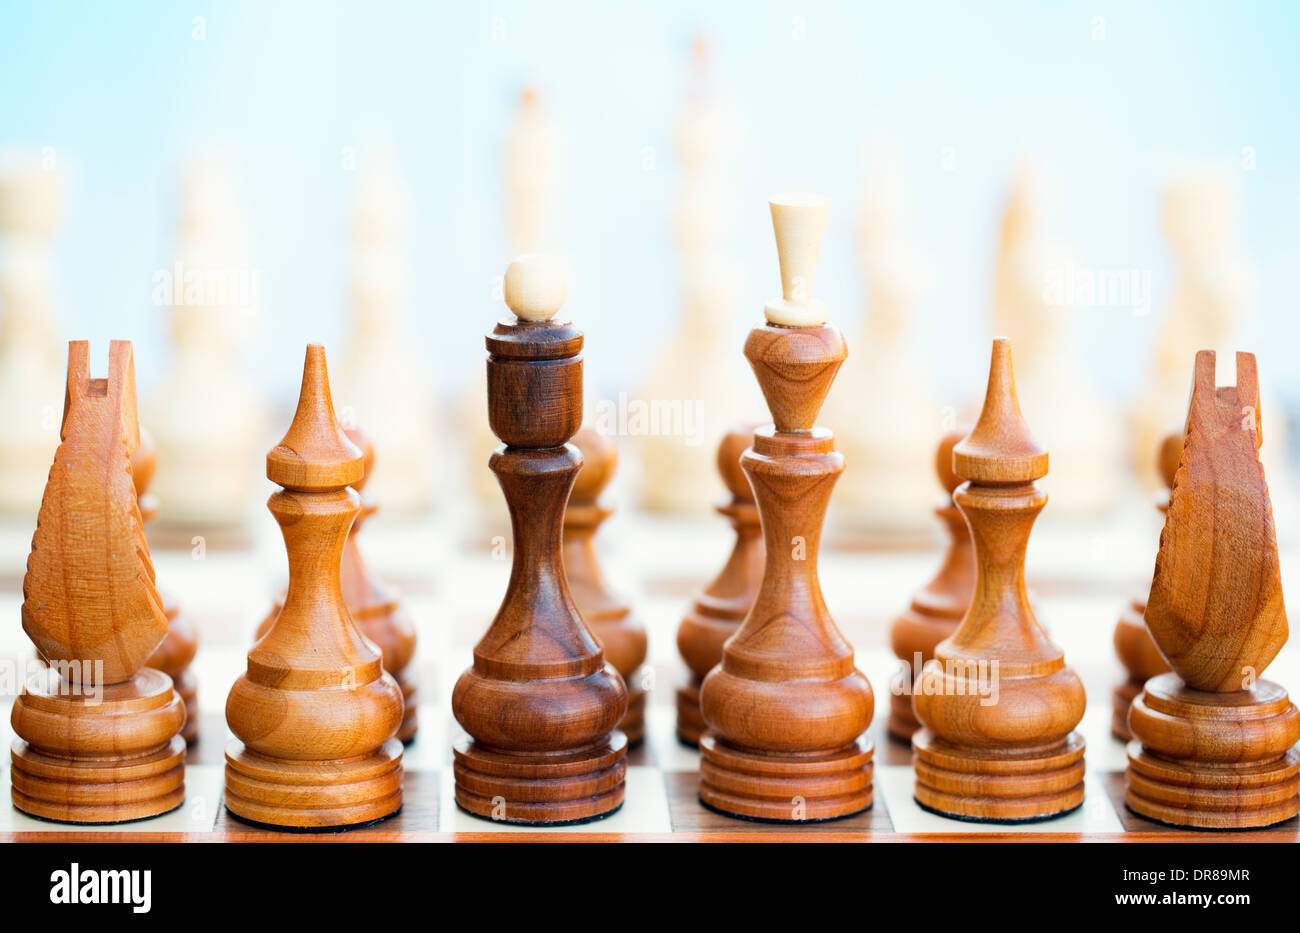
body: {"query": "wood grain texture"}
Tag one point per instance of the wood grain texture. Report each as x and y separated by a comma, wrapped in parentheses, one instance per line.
(1134, 646)
(997, 703)
(375, 607)
(1213, 743)
(719, 609)
(98, 733)
(315, 714)
(618, 629)
(938, 607)
(540, 703)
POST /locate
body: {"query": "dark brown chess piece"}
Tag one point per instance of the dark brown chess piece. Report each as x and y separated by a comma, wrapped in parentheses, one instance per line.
(786, 708)
(374, 606)
(608, 617)
(1214, 746)
(716, 613)
(936, 609)
(1137, 652)
(540, 703)
(997, 704)
(177, 650)
(98, 731)
(315, 714)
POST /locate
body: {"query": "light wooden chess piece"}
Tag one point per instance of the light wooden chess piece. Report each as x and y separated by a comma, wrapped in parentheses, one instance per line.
(786, 708)
(719, 609)
(315, 714)
(207, 416)
(379, 366)
(375, 607)
(174, 656)
(937, 609)
(1214, 746)
(98, 731)
(1133, 645)
(620, 632)
(540, 703)
(30, 352)
(997, 704)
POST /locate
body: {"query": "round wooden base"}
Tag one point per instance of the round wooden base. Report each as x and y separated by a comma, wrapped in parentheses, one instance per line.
(690, 721)
(902, 723)
(785, 788)
(315, 794)
(1121, 699)
(573, 787)
(188, 689)
(633, 724)
(111, 759)
(1213, 760)
(998, 785)
(410, 707)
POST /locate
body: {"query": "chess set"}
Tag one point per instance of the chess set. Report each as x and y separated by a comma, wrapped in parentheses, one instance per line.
(748, 704)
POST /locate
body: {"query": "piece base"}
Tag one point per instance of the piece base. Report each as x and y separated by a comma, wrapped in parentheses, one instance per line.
(313, 794)
(787, 788)
(690, 721)
(98, 791)
(575, 822)
(574, 787)
(998, 785)
(1011, 821)
(311, 829)
(1121, 699)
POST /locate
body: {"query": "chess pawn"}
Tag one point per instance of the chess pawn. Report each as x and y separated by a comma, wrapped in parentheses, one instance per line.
(539, 703)
(936, 609)
(1214, 745)
(174, 656)
(315, 714)
(997, 704)
(786, 709)
(1137, 652)
(374, 606)
(610, 619)
(98, 732)
(719, 609)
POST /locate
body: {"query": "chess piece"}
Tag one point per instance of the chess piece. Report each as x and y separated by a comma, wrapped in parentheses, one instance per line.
(609, 618)
(786, 709)
(373, 605)
(540, 703)
(1137, 652)
(1032, 300)
(31, 355)
(1213, 744)
(174, 656)
(695, 365)
(936, 609)
(997, 703)
(883, 498)
(315, 714)
(98, 732)
(719, 609)
(379, 364)
(207, 416)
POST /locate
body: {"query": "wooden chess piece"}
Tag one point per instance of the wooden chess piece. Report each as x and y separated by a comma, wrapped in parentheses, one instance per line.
(1137, 652)
(540, 703)
(997, 703)
(786, 708)
(719, 609)
(608, 617)
(177, 650)
(938, 607)
(1213, 744)
(374, 606)
(98, 731)
(315, 714)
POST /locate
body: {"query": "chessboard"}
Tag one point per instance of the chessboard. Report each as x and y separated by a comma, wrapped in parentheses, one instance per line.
(452, 581)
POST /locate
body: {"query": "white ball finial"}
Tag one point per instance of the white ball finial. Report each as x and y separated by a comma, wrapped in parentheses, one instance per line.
(799, 221)
(535, 287)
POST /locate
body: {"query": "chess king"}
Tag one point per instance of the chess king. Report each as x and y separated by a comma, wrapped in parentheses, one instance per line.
(1214, 746)
(98, 732)
(786, 709)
